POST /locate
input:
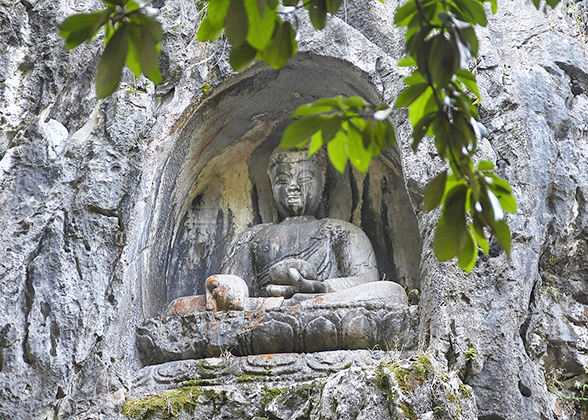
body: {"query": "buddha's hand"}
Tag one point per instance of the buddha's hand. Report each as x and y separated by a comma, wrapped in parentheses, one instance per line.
(292, 276)
(225, 292)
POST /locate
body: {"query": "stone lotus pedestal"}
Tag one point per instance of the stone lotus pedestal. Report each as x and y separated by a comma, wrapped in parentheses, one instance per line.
(294, 329)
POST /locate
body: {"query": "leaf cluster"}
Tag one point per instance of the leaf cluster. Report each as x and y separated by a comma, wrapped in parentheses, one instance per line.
(132, 37)
(440, 94)
(352, 129)
(255, 28)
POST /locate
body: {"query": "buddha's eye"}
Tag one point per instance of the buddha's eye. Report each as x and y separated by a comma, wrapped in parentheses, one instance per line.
(305, 177)
(281, 180)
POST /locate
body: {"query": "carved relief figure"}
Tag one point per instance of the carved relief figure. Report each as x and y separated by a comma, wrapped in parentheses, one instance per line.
(299, 261)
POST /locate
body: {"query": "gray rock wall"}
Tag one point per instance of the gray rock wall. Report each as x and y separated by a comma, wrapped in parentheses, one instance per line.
(91, 199)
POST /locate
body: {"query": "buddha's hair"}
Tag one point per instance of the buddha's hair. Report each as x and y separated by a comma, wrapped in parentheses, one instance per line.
(279, 156)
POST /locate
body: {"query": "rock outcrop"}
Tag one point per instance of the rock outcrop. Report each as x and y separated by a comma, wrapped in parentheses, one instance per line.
(105, 203)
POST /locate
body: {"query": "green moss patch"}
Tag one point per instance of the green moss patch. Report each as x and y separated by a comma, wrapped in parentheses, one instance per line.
(169, 404)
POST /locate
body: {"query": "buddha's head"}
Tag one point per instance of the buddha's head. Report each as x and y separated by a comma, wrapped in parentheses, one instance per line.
(297, 181)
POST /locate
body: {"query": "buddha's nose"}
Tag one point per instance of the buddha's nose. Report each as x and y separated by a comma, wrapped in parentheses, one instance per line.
(293, 187)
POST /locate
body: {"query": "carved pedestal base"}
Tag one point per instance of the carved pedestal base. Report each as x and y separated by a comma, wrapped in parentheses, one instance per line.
(285, 330)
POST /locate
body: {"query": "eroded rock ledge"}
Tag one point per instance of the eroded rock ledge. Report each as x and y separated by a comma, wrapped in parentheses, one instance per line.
(345, 384)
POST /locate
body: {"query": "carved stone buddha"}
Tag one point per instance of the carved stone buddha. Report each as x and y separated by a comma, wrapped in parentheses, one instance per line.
(299, 261)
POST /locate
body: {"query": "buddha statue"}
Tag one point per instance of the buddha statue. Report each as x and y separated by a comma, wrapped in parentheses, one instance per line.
(301, 260)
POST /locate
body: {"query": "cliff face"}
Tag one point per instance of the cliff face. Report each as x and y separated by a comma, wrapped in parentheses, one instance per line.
(93, 197)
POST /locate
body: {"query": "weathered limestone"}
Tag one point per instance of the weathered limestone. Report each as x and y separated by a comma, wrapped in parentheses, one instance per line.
(361, 384)
(86, 215)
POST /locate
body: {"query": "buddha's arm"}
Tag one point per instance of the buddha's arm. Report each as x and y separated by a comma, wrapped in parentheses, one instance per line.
(355, 258)
(238, 259)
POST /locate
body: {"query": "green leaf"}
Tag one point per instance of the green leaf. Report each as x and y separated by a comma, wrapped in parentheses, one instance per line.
(469, 80)
(367, 137)
(407, 61)
(212, 26)
(83, 26)
(454, 211)
(552, 3)
(317, 10)
(485, 165)
(111, 63)
(479, 223)
(443, 60)
(133, 60)
(498, 183)
(415, 41)
(536, 3)
(282, 46)
(420, 45)
(108, 32)
(494, 4)
(356, 102)
(501, 231)
(236, 24)
(390, 134)
(446, 242)
(334, 102)
(410, 94)
(468, 37)
(422, 106)
(330, 128)
(474, 10)
(483, 210)
(457, 13)
(358, 155)
(261, 5)
(480, 239)
(316, 142)
(302, 129)
(404, 13)
(292, 3)
(309, 109)
(441, 129)
(435, 190)
(468, 254)
(507, 201)
(379, 133)
(496, 207)
(421, 128)
(414, 78)
(152, 25)
(131, 5)
(333, 6)
(337, 150)
(261, 28)
(144, 47)
(242, 57)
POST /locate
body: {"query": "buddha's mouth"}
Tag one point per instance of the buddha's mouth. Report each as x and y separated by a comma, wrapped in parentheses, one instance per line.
(294, 198)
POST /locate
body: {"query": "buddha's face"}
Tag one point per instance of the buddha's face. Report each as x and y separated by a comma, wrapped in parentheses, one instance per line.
(297, 188)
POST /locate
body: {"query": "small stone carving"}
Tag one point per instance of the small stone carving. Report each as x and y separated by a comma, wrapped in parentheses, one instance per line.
(301, 260)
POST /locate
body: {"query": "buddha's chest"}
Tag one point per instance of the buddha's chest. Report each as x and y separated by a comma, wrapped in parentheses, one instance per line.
(306, 240)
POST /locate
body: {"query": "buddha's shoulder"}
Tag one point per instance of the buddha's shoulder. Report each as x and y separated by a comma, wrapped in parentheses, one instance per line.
(340, 226)
(250, 233)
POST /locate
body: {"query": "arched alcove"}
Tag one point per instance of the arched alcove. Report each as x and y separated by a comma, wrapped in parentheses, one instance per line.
(214, 183)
